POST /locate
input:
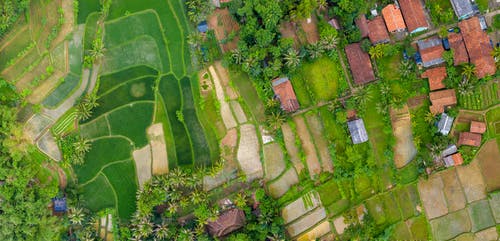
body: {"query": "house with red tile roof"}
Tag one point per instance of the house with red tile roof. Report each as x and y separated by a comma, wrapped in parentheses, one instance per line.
(442, 99)
(478, 46)
(393, 18)
(360, 64)
(377, 32)
(477, 127)
(457, 44)
(414, 16)
(362, 24)
(469, 139)
(453, 160)
(431, 50)
(436, 77)
(283, 91)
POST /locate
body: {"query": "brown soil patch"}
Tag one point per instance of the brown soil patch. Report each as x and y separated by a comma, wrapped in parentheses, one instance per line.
(310, 29)
(489, 160)
(25, 81)
(230, 139)
(340, 224)
(317, 232)
(225, 110)
(142, 158)
(287, 30)
(158, 149)
(487, 234)
(291, 148)
(306, 222)
(433, 197)
(468, 117)
(274, 164)
(60, 173)
(36, 125)
(298, 208)
(69, 22)
(453, 190)
(248, 152)
(404, 150)
(279, 187)
(316, 128)
(223, 25)
(313, 164)
(48, 145)
(472, 181)
(416, 101)
(45, 88)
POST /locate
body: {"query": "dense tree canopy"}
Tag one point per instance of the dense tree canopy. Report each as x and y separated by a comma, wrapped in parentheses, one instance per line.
(10, 10)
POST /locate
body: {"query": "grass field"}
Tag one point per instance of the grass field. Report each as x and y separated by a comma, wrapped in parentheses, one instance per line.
(85, 8)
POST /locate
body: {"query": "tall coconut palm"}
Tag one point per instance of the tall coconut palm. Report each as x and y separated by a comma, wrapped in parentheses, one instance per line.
(376, 52)
(429, 117)
(405, 68)
(237, 56)
(91, 100)
(275, 119)
(468, 71)
(82, 145)
(329, 42)
(292, 58)
(314, 50)
(496, 54)
(83, 112)
(162, 231)
(322, 5)
(76, 216)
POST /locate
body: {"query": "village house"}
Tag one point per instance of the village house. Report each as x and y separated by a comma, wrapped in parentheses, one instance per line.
(59, 206)
(478, 46)
(453, 160)
(229, 221)
(442, 99)
(469, 139)
(463, 8)
(202, 27)
(358, 131)
(457, 44)
(334, 23)
(393, 18)
(431, 51)
(436, 77)
(414, 16)
(444, 124)
(362, 25)
(360, 64)
(283, 91)
(449, 150)
(477, 127)
(377, 32)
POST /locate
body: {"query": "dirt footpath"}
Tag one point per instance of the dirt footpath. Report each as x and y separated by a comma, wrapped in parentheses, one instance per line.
(225, 109)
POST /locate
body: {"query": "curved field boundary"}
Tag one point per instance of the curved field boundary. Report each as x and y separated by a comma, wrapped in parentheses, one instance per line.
(101, 169)
(171, 31)
(110, 80)
(61, 126)
(110, 90)
(161, 116)
(133, 122)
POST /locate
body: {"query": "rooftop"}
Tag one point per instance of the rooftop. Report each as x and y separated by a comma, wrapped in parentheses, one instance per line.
(445, 123)
(477, 127)
(431, 50)
(436, 77)
(227, 222)
(441, 99)
(362, 24)
(393, 18)
(283, 91)
(478, 46)
(377, 31)
(202, 27)
(453, 160)
(413, 14)
(449, 150)
(358, 131)
(469, 139)
(457, 44)
(360, 64)
(462, 8)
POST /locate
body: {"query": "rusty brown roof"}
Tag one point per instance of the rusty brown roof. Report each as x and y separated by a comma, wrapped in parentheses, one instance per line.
(362, 24)
(283, 91)
(478, 46)
(377, 31)
(360, 65)
(436, 77)
(441, 99)
(457, 159)
(393, 18)
(477, 127)
(432, 54)
(457, 44)
(227, 222)
(413, 14)
(469, 139)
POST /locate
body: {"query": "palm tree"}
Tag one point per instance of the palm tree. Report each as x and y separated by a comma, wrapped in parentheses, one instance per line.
(496, 54)
(468, 71)
(405, 68)
(429, 117)
(76, 216)
(83, 112)
(465, 88)
(162, 231)
(194, 39)
(329, 42)
(376, 52)
(91, 100)
(292, 58)
(275, 119)
(82, 145)
(322, 5)
(314, 50)
(237, 56)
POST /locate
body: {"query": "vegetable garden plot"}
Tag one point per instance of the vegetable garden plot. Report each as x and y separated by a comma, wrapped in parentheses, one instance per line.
(62, 91)
(14, 50)
(122, 178)
(140, 51)
(100, 155)
(145, 23)
(110, 81)
(131, 121)
(171, 93)
(30, 60)
(99, 194)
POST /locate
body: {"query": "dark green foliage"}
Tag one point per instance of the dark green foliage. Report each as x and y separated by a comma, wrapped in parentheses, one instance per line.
(496, 21)
(11, 11)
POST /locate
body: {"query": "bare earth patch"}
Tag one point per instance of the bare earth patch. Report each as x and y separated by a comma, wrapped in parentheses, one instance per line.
(274, 164)
(47, 143)
(230, 139)
(472, 181)
(279, 187)
(453, 190)
(229, 172)
(248, 152)
(25, 81)
(225, 110)
(404, 150)
(223, 24)
(311, 30)
(318, 231)
(432, 196)
(487, 234)
(298, 208)
(41, 91)
(238, 112)
(287, 30)
(36, 125)
(142, 158)
(158, 149)
(313, 164)
(306, 222)
(489, 160)
(316, 128)
(340, 224)
(291, 147)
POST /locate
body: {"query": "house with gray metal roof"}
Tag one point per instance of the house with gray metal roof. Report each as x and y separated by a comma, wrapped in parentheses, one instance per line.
(445, 123)
(358, 131)
(463, 8)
